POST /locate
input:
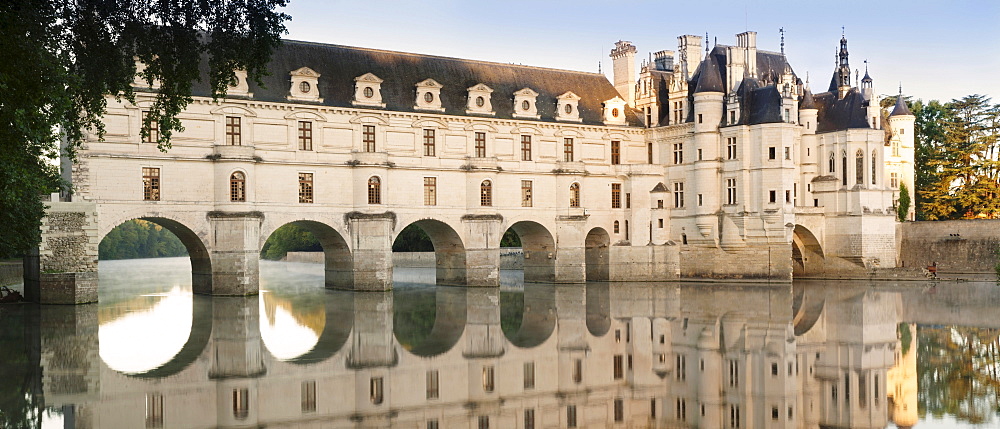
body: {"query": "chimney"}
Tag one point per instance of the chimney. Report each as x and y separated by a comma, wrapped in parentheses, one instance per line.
(623, 58)
(689, 46)
(663, 61)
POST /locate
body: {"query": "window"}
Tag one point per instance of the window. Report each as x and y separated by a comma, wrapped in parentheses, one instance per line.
(626, 229)
(734, 373)
(616, 227)
(152, 130)
(773, 196)
(734, 416)
(233, 137)
(652, 408)
(568, 150)
(432, 384)
(526, 193)
(428, 142)
(486, 193)
(150, 184)
(571, 416)
(525, 105)
(578, 371)
(480, 145)
(843, 169)
(788, 115)
(678, 153)
(525, 147)
(430, 191)
(862, 391)
(660, 223)
(619, 368)
(154, 410)
(368, 137)
(488, 379)
(701, 200)
(874, 167)
(529, 375)
(375, 390)
(614, 112)
(859, 167)
(304, 87)
(771, 153)
(616, 152)
(788, 196)
(305, 134)
(847, 387)
(699, 118)
(628, 200)
(732, 117)
(484, 422)
(237, 187)
(308, 396)
(433, 424)
(649, 153)
(305, 187)
(529, 418)
(699, 155)
(616, 195)
(679, 195)
(659, 204)
(428, 97)
(788, 153)
(774, 369)
(681, 370)
(681, 410)
(574, 195)
(730, 191)
(369, 92)
(893, 180)
(241, 403)
(875, 386)
(833, 165)
(774, 413)
(895, 147)
(480, 101)
(619, 410)
(374, 190)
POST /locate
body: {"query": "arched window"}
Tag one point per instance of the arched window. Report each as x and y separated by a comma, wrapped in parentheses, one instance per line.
(238, 187)
(486, 193)
(616, 227)
(374, 190)
(843, 168)
(859, 167)
(874, 168)
(574, 195)
(833, 165)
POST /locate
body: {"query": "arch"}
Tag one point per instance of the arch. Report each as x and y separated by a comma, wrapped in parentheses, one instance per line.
(338, 324)
(337, 258)
(596, 254)
(486, 193)
(539, 248)
(449, 251)
(234, 110)
(429, 123)
(374, 190)
(238, 186)
(201, 261)
(807, 253)
(859, 167)
(574, 195)
(369, 119)
(413, 307)
(598, 296)
(305, 114)
(832, 168)
(197, 342)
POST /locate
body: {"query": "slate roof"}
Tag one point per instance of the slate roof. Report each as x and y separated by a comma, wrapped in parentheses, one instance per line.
(807, 101)
(841, 114)
(760, 100)
(339, 65)
(900, 108)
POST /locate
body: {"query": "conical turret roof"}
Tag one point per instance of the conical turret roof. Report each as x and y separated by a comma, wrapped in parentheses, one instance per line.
(900, 108)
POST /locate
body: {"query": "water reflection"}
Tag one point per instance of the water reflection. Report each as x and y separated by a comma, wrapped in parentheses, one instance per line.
(821, 354)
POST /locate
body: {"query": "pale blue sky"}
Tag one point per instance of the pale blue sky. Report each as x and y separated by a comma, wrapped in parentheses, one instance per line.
(938, 49)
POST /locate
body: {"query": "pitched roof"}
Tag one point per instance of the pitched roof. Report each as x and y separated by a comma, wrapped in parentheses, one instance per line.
(339, 65)
(807, 101)
(837, 114)
(900, 108)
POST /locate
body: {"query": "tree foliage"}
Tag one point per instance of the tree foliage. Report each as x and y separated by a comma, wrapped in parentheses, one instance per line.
(903, 207)
(289, 238)
(412, 239)
(140, 239)
(62, 58)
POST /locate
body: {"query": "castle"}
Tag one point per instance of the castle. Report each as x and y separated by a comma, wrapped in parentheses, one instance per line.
(714, 165)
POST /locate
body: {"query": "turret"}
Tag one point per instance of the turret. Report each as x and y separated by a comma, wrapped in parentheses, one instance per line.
(623, 57)
(808, 113)
(843, 69)
(901, 152)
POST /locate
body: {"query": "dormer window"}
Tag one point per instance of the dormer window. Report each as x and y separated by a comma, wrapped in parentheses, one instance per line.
(239, 86)
(614, 111)
(567, 107)
(479, 101)
(524, 104)
(368, 91)
(428, 96)
(305, 85)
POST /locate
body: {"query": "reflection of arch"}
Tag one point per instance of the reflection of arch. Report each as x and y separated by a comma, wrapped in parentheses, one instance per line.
(339, 317)
(201, 332)
(539, 251)
(530, 321)
(413, 308)
(806, 310)
(337, 258)
(596, 255)
(201, 262)
(449, 251)
(598, 309)
(807, 254)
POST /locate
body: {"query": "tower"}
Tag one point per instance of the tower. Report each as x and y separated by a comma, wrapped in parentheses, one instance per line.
(899, 165)
(623, 58)
(843, 69)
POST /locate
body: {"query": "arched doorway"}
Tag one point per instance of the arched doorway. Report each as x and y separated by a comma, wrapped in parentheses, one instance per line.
(449, 251)
(338, 262)
(807, 254)
(596, 255)
(152, 237)
(539, 249)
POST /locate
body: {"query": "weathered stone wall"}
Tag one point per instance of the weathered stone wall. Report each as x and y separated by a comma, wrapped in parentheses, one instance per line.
(754, 262)
(956, 245)
(67, 256)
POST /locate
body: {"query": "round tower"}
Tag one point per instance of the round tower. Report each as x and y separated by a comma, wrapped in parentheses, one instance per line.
(899, 159)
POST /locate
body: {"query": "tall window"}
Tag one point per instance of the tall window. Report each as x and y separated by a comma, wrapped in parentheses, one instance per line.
(678, 112)
(430, 191)
(730, 191)
(833, 165)
(568, 150)
(649, 153)
(681, 369)
(734, 373)
(574, 195)
(154, 410)
(874, 168)
(233, 131)
(616, 152)
(679, 195)
(678, 153)
(374, 190)
(895, 147)
(618, 368)
(305, 135)
(859, 167)
(368, 138)
(619, 410)
(238, 187)
(152, 130)
(893, 180)
(305, 187)
(526, 193)
(843, 169)
(486, 193)
(428, 142)
(731, 148)
(734, 416)
(525, 148)
(578, 371)
(480, 145)
(488, 379)
(571, 416)
(484, 421)
(308, 396)
(241, 403)
(529, 418)
(529, 375)
(151, 184)
(681, 411)
(432, 384)
(375, 392)
(616, 227)
(616, 195)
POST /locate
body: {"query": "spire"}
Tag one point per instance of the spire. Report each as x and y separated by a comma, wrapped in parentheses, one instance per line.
(900, 109)
(782, 31)
(706, 42)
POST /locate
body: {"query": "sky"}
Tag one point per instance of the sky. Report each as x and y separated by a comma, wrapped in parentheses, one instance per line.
(936, 49)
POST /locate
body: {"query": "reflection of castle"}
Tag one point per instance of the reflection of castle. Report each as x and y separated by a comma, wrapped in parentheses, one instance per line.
(636, 355)
(902, 379)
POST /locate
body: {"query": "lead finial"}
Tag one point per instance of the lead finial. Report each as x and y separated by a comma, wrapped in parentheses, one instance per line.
(900, 88)
(782, 31)
(599, 67)
(706, 42)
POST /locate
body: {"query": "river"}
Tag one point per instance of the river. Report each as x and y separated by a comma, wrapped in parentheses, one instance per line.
(849, 354)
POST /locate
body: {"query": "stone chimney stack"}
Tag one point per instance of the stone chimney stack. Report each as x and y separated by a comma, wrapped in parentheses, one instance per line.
(689, 47)
(663, 60)
(623, 57)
